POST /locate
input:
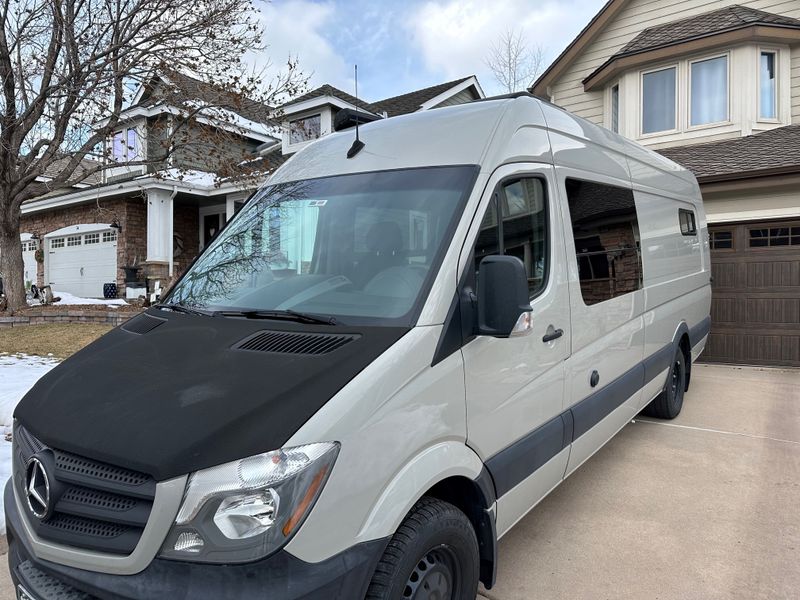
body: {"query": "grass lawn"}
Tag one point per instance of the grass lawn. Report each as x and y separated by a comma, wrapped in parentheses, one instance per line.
(57, 339)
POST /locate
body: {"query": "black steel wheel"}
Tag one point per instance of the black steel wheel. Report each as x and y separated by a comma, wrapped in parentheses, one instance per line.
(433, 556)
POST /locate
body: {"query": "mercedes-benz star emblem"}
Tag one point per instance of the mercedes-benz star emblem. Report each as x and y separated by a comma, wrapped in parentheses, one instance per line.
(37, 488)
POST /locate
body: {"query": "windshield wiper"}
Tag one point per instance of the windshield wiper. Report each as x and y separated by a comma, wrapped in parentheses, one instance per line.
(284, 315)
(183, 309)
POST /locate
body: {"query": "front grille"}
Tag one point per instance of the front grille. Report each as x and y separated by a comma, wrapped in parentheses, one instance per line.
(97, 506)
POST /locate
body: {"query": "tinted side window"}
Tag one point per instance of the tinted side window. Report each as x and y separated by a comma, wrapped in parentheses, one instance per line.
(522, 231)
(606, 232)
(687, 222)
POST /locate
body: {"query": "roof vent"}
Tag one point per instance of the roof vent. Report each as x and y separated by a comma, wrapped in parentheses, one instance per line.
(142, 324)
(289, 342)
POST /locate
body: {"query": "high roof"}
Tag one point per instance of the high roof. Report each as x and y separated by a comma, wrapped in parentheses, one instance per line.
(768, 153)
(707, 24)
(329, 90)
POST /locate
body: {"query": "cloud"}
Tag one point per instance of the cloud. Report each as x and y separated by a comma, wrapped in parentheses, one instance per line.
(295, 28)
(454, 36)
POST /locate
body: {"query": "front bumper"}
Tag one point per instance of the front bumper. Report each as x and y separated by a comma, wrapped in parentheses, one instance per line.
(281, 576)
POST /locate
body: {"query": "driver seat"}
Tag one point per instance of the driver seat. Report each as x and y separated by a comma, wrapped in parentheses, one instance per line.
(385, 244)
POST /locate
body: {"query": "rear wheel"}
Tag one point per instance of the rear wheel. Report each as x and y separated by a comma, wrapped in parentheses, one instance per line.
(433, 556)
(668, 404)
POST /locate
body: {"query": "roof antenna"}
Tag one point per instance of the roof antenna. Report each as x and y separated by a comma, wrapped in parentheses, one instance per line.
(358, 145)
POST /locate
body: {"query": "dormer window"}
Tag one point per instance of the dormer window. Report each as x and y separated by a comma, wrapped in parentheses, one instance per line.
(124, 145)
(709, 91)
(305, 129)
(659, 100)
(768, 86)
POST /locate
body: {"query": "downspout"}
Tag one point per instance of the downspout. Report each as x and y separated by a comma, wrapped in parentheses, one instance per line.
(170, 226)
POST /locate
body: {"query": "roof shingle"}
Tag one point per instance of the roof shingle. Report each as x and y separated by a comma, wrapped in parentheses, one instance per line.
(703, 25)
(408, 103)
(746, 156)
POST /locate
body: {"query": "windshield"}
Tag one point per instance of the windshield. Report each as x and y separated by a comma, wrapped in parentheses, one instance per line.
(361, 248)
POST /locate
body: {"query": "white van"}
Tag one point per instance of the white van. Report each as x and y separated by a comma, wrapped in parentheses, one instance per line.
(381, 364)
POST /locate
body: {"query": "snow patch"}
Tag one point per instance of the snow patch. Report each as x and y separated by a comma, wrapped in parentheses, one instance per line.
(18, 373)
(68, 299)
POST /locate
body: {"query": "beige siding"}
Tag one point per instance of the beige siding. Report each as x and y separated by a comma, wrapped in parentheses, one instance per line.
(462, 97)
(637, 15)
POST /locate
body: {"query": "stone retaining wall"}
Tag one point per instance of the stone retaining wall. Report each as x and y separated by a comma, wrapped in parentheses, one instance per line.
(39, 316)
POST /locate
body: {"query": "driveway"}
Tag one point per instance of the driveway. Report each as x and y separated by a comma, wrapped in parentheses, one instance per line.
(705, 506)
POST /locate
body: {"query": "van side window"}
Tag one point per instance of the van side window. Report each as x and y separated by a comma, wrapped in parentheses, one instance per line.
(522, 231)
(686, 219)
(607, 243)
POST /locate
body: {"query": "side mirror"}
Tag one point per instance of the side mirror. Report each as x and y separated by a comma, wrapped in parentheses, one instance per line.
(503, 305)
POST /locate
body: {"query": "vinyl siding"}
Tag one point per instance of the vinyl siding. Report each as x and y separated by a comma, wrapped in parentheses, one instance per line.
(637, 15)
(462, 97)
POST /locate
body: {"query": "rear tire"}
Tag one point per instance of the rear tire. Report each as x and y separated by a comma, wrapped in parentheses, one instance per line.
(433, 556)
(668, 404)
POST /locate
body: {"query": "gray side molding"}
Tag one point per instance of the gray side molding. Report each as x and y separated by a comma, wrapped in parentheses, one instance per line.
(167, 502)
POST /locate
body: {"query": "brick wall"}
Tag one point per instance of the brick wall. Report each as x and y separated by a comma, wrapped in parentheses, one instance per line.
(623, 266)
(131, 213)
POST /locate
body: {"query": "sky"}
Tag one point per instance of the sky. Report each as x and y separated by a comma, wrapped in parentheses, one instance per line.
(404, 45)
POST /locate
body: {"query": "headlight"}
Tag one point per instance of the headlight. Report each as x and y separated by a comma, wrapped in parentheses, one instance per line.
(243, 510)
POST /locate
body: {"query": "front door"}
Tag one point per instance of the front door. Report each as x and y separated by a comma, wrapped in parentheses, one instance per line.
(515, 386)
(210, 225)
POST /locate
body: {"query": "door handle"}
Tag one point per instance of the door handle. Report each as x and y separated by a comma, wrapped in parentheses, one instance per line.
(552, 334)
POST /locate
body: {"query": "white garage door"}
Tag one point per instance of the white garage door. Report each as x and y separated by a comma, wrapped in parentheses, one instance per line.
(79, 262)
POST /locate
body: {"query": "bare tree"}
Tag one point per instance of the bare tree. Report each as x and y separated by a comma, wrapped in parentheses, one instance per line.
(69, 68)
(513, 62)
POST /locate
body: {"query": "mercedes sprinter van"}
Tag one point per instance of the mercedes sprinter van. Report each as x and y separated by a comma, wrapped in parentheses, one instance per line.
(392, 353)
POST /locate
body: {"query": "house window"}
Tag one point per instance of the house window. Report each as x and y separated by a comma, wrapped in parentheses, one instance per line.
(57, 243)
(605, 228)
(615, 109)
(658, 100)
(768, 87)
(91, 238)
(74, 240)
(774, 236)
(124, 145)
(709, 91)
(721, 240)
(29, 246)
(687, 222)
(109, 236)
(305, 129)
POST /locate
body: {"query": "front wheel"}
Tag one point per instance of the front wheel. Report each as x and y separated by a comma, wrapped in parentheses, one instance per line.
(433, 556)
(668, 404)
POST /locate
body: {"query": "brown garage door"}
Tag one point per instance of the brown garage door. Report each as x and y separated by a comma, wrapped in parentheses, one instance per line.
(755, 310)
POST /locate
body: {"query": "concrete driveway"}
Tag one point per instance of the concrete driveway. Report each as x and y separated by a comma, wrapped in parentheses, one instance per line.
(706, 506)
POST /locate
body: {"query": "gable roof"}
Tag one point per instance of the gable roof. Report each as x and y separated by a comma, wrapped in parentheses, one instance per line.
(711, 23)
(175, 87)
(586, 35)
(396, 105)
(412, 101)
(329, 90)
(768, 153)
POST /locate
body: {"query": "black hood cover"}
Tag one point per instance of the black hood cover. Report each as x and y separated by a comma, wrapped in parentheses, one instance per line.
(183, 396)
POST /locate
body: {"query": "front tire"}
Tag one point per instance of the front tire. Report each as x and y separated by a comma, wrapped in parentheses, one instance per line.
(433, 556)
(668, 404)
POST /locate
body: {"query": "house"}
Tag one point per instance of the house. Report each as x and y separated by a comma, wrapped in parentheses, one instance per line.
(141, 226)
(715, 86)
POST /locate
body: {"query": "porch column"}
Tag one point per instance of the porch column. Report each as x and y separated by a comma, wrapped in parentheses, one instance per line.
(159, 225)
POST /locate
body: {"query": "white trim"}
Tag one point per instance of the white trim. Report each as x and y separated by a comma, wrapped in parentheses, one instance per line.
(252, 129)
(134, 185)
(320, 102)
(78, 229)
(729, 109)
(466, 84)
